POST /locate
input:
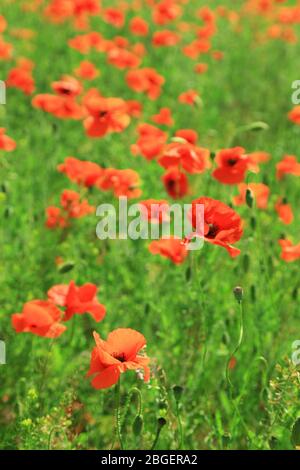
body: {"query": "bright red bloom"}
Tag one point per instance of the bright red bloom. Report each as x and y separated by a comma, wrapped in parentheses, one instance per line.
(259, 191)
(189, 97)
(67, 86)
(114, 17)
(172, 248)
(81, 172)
(164, 117)
(39, 317)
(77, 300)
(189, 135)
(284, 211)
(166, 11)
(6, 143)
(222, 225)
(75, 208)
(62, 107)
(122, 182)
(289, 251)
(138, 26)
(232, 165)
(55, 218)
(145, 80)
(118, 354)
(176, 183)
(201, 68)
(287, 166)
(150, 142)
(21, 77)
(154, 210)
(3, 24)
(87, 70)
(6, 49)
(187, 156)
(165, 38)
(294, 115)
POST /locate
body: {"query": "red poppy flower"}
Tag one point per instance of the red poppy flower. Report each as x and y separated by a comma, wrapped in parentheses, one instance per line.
(145, 80)
(172, 248)
(3, 24)
(176, 183)
(166, 11)
(62, 107)
(222, 225)
(21, 77)
(122, 59)
(6, 143)
(156, 211)
(164, 117)
(284, 211)
(77, 300)
(67, 86)
(189, 97)
(6, 49)
(201, 68)
(118, 354)
(289, 252)
(114, 16)
(138, 26)
(259, 191)
(187, 156)
(150, 142)
(255, 158)
(165, 38)
(232, 165)
(134, 108)
(87, 70)
(81, 172)
(122, 182)
(287, 166)
(55, 218)
(189, 135)
(294, 115)
(40, 317)
(75, 208)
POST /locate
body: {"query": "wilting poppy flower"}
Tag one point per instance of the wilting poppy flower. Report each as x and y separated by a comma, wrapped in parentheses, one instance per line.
(6, 143)
(222, 225)
(187, 156)
(289, 251)
(150, 142)
(81, 172)
(164, 117)
(189, 97)
(118, 354)
(40, 317)
(77, 300)
(259, 191)
(87, 70)
(145, 80)
(122, 182)
(138, 26)
(294, 115)
(105, 115)
(284, 211)
(287, 166)
(173, 248)
(232, 165)
(176, 183)
(189, 135)
(154, 210)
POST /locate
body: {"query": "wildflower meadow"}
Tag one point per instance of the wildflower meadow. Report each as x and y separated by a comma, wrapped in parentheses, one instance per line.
(149, 208)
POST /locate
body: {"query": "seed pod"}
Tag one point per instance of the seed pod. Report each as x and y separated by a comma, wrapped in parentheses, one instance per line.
(238, 293)
(66, 267)
(161, 422)
(178, 391)
(137, 426)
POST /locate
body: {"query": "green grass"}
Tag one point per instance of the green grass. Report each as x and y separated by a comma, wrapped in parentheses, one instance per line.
(191, 324)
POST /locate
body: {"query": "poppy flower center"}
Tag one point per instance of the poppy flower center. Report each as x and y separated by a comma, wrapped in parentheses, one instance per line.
(232, 161)
(102, 114)
(212, 232)
(120, 357)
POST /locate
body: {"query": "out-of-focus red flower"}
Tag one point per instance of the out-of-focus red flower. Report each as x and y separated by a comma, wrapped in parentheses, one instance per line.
(156, 211)
(6, 50)
(122, 58)
(294, 115)
(134, 108)
(189, 97)
(114, 16)
(121, 182)
(232, 165)
(39, 317)
(166, 11)
(21, 77)
(222, 225)
(145, 80)
(87, 70)
(176, 183)
(67, 86)
(287, 166)
(82, 172)
(165, 38)
(139, 26)
(172, 248)
(255, 159)
(201, 68)
(150, 142)
(77, 300)
(289, 252)
(55, 218)
(259, 191)
(187, 156)
(75, 208)
(3, 24)
(6, 143)
(119, 353)
(284, 211)
(189, 135)
(164, 117)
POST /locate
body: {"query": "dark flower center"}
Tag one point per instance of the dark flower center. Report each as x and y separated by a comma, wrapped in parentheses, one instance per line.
(232, 161)
(120, 357)
(213, 230)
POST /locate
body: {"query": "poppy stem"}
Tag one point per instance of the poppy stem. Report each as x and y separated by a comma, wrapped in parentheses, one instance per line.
(118, 414)
(230, 385)
(180, 428)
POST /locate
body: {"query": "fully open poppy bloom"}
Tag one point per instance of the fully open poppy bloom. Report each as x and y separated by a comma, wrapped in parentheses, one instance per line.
(222, 225)
(284, 211)
(154, 210)
(195, 48)
(187, 156)
(40, 317)
(77, 300)
(82, 172)
(62, 107)
(67, 86)
(176, 183)
(145, 80)
(6, 143)
(164, 117)
(150, 142)
(118, 354)
(173, 248)
(105, 115)
(287, 166)
(289, 251)
(232, 165)
(294, 115)
(122, 182)
(259, 191)
(201, 68)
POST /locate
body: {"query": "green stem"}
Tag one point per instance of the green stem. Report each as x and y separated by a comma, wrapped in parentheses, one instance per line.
(156, 437)
(118, 416)
(237, 346)
(180, 444)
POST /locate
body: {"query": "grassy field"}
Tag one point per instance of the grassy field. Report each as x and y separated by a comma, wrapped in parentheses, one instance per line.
(187, 312)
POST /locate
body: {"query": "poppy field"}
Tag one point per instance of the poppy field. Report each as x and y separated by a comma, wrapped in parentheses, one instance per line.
(143, 342)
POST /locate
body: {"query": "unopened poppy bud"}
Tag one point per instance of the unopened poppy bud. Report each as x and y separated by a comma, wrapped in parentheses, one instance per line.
(178, 391)
(161, 422)
(258, 126)
(147, 308)
(238, 293)
(253, 293)
(66, 267)
(137, 426)
(246, 262)
(249, 198)
(253, 223)
(188, 273)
